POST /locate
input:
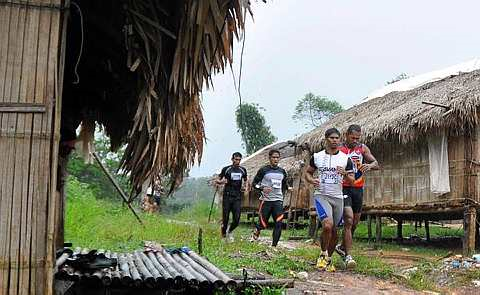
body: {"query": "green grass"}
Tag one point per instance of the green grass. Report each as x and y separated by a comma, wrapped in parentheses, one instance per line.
(101, 224)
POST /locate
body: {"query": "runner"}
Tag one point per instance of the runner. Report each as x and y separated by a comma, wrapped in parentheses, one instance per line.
(333, 167)
(363, 160)
(271, 181)
(232, 177)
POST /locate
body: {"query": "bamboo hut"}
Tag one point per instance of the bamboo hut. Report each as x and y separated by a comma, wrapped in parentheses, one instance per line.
(134, 67)
(427, 143)
(296, 202)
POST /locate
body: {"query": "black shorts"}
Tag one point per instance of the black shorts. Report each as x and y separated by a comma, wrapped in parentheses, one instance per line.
(354, 198)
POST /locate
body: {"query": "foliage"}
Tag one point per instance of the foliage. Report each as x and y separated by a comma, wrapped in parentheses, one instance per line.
(314, 110)
(252, 126)
(402, 76)
(93, 176)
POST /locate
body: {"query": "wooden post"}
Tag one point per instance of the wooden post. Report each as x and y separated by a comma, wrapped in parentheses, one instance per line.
(399, 230)
(312, 226)
(378, 232)
(200, 241)
(427, 230)
(369, 227)
(469, 226)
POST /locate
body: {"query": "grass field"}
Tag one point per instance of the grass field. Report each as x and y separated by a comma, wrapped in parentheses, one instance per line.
(98, 224)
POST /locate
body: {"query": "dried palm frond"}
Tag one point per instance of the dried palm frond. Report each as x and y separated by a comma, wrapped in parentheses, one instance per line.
(174, 48)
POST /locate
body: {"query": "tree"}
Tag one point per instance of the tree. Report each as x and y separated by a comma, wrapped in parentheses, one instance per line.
(314, 110)
(252, 127)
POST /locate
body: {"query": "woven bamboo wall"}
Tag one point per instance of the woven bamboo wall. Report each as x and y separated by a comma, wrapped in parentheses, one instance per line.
(404, 178)
(29, 52)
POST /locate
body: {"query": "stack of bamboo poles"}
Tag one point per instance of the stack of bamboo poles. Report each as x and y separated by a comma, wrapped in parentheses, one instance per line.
(173, 63)
(152, 269)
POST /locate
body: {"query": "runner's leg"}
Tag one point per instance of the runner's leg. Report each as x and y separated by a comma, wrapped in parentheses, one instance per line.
(236, 213)
(277, 213)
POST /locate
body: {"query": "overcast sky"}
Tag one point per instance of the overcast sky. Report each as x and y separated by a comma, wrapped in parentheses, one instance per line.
(342, 49)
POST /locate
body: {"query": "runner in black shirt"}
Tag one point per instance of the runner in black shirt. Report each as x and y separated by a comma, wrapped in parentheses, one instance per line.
(232, 176)
(271, 182)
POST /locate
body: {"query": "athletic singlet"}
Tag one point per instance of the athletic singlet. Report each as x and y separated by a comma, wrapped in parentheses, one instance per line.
(356, 155)
(330, 179)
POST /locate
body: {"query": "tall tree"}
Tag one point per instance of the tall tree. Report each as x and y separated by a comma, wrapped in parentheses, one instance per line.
(252, 127)
(314, 110)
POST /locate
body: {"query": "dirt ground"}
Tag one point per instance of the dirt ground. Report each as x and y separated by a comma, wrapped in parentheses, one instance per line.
(343, 282)
(347, 282)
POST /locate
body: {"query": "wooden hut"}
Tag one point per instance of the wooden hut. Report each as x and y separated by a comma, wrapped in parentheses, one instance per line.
(134, 67)
(407, 131)
(296, 202)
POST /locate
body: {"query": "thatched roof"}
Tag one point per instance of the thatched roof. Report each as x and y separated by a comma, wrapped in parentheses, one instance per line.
(142, 68)
(403, 117)
(260, 158)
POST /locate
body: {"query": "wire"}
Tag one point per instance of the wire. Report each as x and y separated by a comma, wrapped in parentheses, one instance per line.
(77, 77)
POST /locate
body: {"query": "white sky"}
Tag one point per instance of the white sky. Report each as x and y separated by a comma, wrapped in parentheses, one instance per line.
(342, 49)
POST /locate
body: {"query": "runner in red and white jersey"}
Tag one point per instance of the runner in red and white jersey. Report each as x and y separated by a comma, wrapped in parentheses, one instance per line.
(363, 160)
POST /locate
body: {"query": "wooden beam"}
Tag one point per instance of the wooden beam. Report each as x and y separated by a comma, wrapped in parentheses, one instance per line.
(399, 230)
(427, 230)
(11, 107)
(378, 232)
(436, 104)
(369, 227)
(469, 227)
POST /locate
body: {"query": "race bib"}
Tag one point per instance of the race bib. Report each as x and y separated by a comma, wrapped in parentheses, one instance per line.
(276, 183)
(236, 176)
(329, 178)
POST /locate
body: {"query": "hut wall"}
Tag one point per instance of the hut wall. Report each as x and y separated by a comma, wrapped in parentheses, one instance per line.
(29, 88)
(404, 177)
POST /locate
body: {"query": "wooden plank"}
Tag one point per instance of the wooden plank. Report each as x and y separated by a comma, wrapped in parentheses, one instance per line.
(12, 233)
(22, 108)
(26, 99)
(5, 13)
(53, 122)
(42, 180)
(16, 58)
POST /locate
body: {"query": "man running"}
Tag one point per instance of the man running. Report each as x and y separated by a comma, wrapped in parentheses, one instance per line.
(363, 161)
(232, 176)
(333, 167)
(271, 181)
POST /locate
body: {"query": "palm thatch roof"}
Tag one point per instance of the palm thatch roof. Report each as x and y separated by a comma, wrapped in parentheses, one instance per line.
(137, 67)
(403, 117)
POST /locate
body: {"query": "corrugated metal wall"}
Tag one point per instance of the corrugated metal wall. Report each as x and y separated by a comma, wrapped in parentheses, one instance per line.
(29, 93)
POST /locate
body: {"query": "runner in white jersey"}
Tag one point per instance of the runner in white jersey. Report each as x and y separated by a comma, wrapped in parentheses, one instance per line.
(333, 168)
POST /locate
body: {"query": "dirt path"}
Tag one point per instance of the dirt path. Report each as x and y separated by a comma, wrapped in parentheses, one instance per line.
(343, 282)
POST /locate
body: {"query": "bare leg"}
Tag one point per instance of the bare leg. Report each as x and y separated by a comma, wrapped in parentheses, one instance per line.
(347, 229)
(327, 227)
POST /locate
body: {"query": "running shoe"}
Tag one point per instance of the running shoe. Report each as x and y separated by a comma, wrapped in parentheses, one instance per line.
(339, 249)
(322, 262)
(350, 263)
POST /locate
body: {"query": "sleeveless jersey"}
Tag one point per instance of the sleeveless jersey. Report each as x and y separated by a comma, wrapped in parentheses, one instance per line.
(356, 155)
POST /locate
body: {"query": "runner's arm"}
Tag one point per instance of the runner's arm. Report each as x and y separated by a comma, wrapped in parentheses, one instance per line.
(370, 159)
(349, 174)
(221, 177)
(256, 183)
(284, 182)
(309, 175)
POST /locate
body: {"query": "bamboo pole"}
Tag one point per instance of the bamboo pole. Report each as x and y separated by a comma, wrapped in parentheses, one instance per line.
(117, 187)
(212, 269)
(217, 282)
(167, 277)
